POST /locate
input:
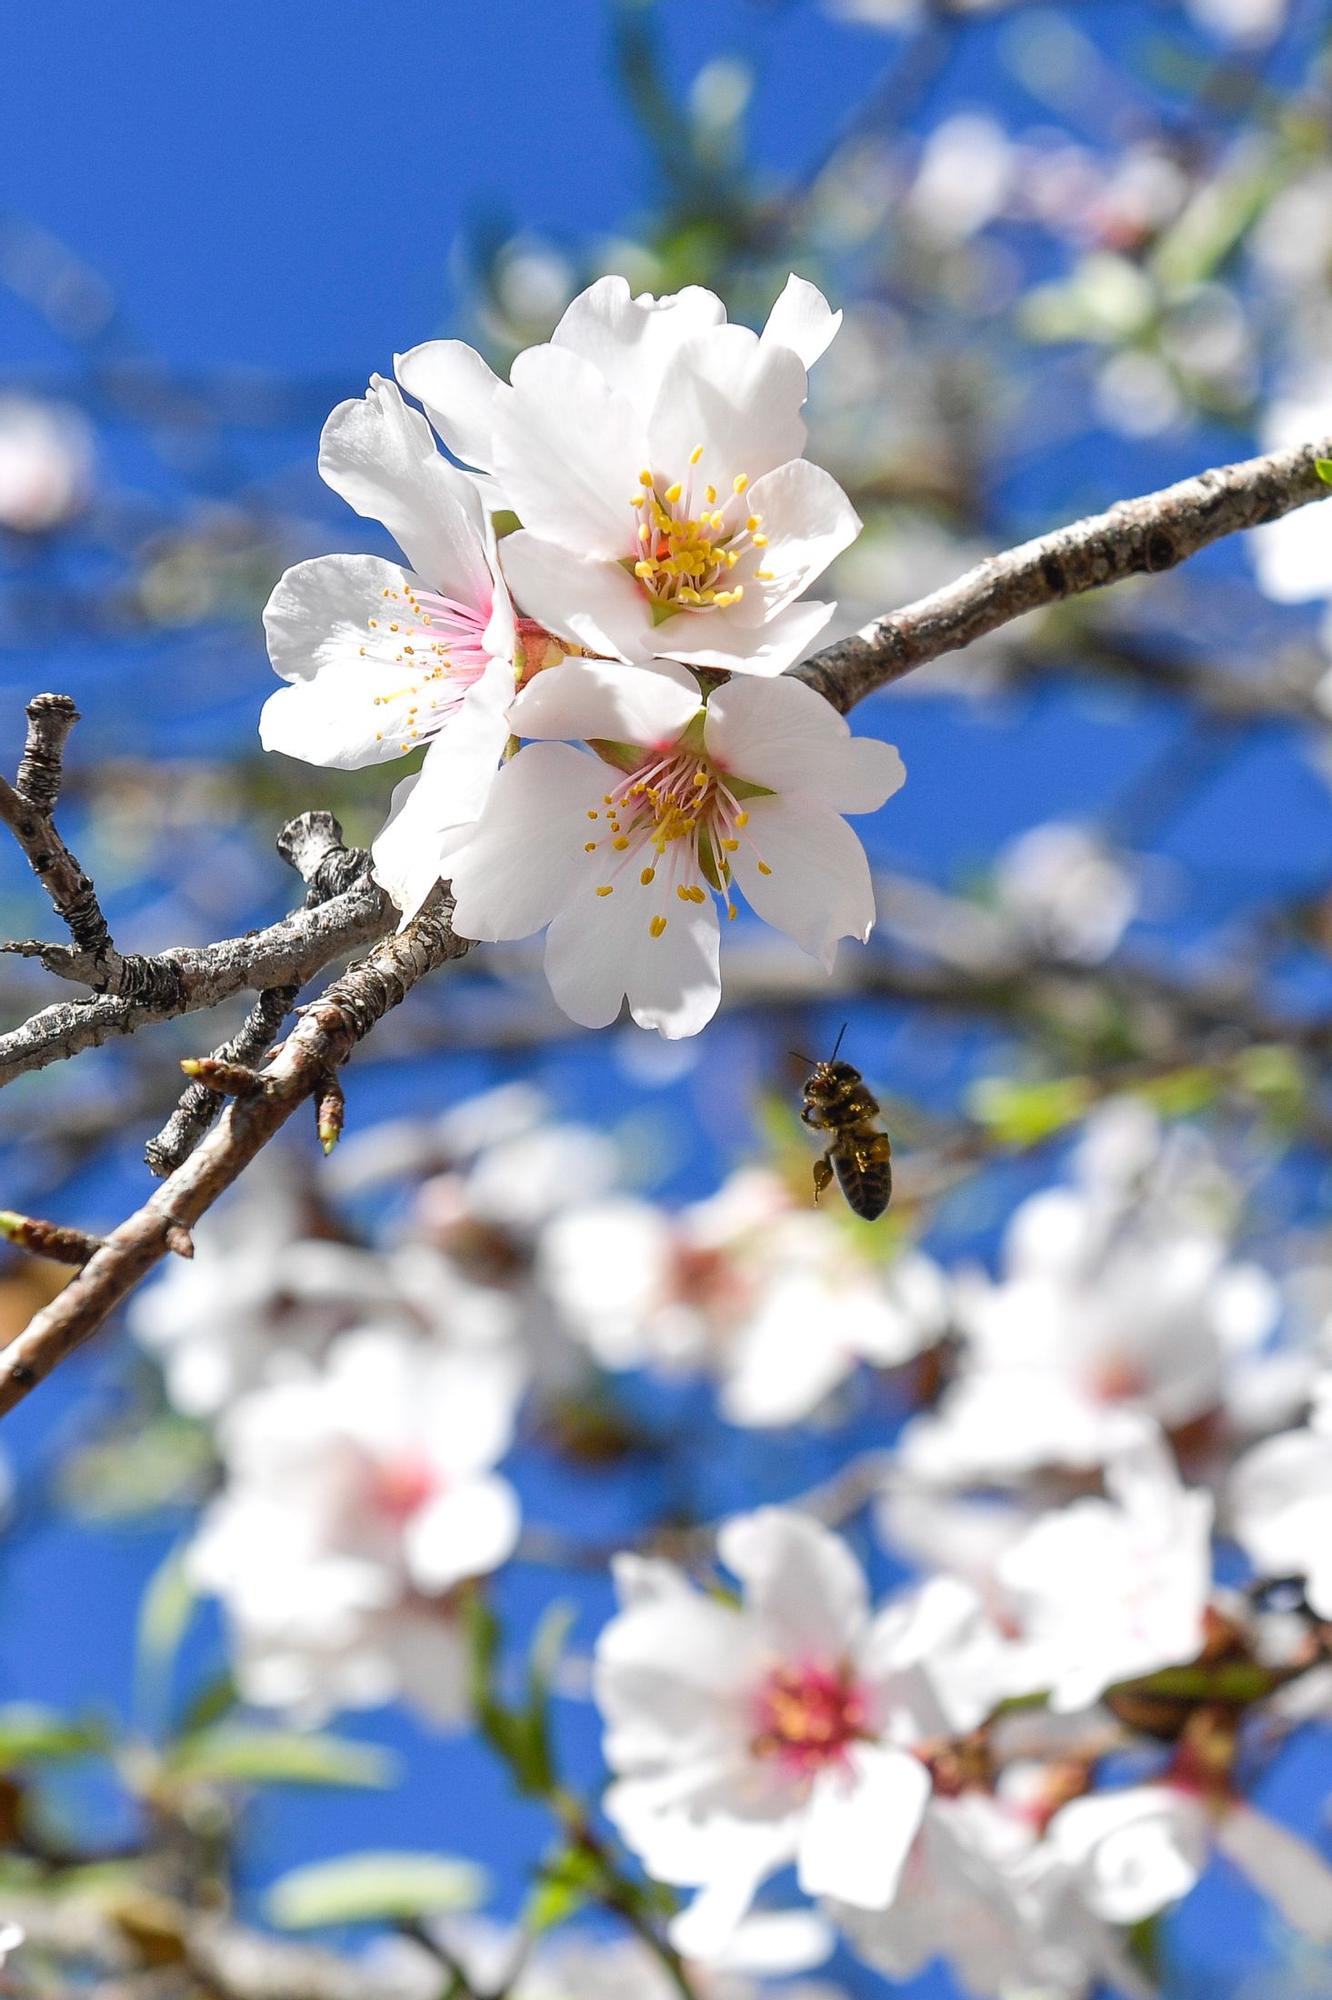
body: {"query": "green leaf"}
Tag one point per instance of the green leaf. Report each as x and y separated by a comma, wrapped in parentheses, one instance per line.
(569, 1880)
(229, 1755)
(1022, 1114)
(375, 1888)
(209, 1704)
(165, 1612)
(1323, 467)
(30, 1734)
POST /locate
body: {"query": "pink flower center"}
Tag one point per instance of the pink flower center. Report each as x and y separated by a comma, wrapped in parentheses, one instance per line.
(437, 643)
(675, 822)
(808, 1717)
(686, 545)
(403, 1485)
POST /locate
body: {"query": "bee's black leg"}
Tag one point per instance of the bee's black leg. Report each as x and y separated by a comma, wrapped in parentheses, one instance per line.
(816, 1120)
(823, 1174)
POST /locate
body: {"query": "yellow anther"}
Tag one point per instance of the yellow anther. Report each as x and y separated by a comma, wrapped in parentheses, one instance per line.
(712, 496)
(760, 541)
(739, 483)
(605, 889)
(648, 875)
(645, 479)
(764, 868)
(644, 570)
(636, 499)
(620, 844)
(696, 454)
(362, 652)
(730, 912)
(742, 819)
(700, 777)
(591, 813)
(373, 623)
(673, 493)
(645, 532)
(730, 846)
(763, 576)
(657, 926)
(697, 894)
(682, 893)
(737, 593)
(718, 523)
(590, 846)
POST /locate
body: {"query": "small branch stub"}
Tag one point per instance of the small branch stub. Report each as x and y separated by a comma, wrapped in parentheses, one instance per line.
(228, 1079)
(330, 1111)
(48, 1239)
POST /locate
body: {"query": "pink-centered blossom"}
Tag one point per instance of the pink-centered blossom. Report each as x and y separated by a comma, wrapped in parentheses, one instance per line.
(653, 454)
(380, 659)
(746, 1736)
(627, 855)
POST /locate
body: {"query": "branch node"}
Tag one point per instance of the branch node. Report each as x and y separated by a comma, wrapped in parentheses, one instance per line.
(227, 1079)
(179, 1241)
(50, 719)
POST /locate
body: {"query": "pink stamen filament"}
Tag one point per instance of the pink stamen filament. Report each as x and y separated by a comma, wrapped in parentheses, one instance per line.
(438, 642)
(807, 1717)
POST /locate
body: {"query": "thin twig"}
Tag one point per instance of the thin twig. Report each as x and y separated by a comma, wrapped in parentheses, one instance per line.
(322, 1040)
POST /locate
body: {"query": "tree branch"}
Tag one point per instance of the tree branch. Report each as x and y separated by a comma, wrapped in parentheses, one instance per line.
(323, 1039)
(1135, 538)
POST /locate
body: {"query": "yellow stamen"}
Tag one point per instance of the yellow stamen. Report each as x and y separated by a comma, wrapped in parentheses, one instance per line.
(605, 889)
(739, 483)
(696, 454)
(730, 913)
(742, 819)
(645, 479)
(673, 493)
(648, 875)
(620, 844)
(730, 846)
(657, 926)
(764, 868)
(589, 847)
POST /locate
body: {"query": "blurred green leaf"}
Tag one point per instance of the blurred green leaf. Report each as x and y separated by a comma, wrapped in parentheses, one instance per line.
(231, 1755)
(1022, 1114)
(375, 1888)
(30, 1733)
(1323, 467)
(165, 1611)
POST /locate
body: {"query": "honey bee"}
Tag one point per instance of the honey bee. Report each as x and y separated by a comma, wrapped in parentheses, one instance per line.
(837, 1101)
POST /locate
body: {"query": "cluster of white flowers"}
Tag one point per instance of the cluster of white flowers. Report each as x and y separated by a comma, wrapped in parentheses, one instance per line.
(933, 1771)
(669, 523)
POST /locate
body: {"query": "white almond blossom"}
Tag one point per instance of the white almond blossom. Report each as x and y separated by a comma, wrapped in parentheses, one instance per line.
(379, 659)
(354, 1503)
(779, 1301)
(1110, 1590)
(749, 1736)
(1279, 1503)
(46, 464)
(1118, 1298)
(653, 454)
(982, 1891)
(622, 860)
(265, 1294)
(1136, 1851)
(1066, 891)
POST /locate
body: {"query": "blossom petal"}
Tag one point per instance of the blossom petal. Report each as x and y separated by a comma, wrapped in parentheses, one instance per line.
(589, 600)
(792, 740)
(568, 451)
(431, 810)
(458, 390)
(803, 320)
(736, 397)
(583, 699)
(601, 949)
(467, 1530)
(817, 888)
(525, 858)
(380, 456)
(350, 702)
(719, 638)
(808, 521)
(860, 1824)
(630, 340)
(800, 1581)
(1293, 1876)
